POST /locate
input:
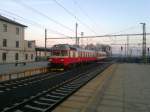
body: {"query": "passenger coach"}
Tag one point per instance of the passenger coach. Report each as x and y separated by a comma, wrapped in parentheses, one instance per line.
(66, 56)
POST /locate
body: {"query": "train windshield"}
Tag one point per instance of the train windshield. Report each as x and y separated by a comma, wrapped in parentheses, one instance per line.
(59, 53)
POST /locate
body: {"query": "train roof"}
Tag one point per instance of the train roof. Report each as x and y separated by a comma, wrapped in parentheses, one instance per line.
(62, 47)
(71, 47)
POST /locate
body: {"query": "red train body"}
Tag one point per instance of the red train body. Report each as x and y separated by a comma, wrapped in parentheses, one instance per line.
(65, 56)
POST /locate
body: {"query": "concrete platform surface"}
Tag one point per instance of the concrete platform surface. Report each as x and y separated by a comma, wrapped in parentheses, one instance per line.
(8, 68)
(127, 91)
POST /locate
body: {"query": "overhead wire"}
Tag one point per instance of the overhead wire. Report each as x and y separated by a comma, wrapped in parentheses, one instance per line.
(114, 40)
(70, 13)
(74, 16)
(42, 14)
(84, 12)
(35, 23)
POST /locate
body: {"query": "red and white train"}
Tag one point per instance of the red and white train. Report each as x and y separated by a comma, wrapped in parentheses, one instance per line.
(65, 56)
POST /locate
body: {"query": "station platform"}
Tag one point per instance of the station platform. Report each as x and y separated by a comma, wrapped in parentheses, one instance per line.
(11, 71)
(8, 68)
(120, 88)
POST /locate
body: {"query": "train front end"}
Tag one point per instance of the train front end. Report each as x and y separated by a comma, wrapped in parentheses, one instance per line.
(59, 55)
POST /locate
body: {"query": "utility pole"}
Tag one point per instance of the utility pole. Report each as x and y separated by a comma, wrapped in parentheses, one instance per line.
(76, 34)
(45, 41)
(144, 41)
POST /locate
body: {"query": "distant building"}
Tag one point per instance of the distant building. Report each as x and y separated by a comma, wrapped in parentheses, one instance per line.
(29, 48)
(13, 47)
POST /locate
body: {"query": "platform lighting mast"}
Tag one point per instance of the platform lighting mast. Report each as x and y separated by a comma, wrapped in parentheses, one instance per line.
(144, 41)
(127, 46)
(45, 41)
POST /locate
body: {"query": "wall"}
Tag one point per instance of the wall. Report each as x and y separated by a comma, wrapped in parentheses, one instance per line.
(11, 49)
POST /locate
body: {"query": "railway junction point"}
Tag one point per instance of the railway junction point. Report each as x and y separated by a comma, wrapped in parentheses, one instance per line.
(120, 88)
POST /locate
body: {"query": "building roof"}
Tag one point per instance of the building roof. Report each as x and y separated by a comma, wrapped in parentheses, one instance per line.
(42, 49)
(11, 21)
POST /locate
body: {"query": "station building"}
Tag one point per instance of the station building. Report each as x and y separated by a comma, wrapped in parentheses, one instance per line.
(13, 47)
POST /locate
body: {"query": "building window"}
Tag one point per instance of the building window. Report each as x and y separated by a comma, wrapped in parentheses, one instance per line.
(17, 44)
(17, 31)
(26, 56)
(31, 56)
(4, 27)
(4, 42)
(29, 44)
(4, 56)
(16, 56)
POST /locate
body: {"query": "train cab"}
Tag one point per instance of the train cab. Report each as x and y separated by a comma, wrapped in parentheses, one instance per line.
(59, 54)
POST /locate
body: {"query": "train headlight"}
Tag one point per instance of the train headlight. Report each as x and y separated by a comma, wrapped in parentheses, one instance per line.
(50, 59)
(62, 60)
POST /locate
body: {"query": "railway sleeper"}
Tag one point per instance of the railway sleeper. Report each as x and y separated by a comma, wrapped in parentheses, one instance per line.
(28, 108)
(64, 90)
(75, 85)
(68, 89)
(41, 103)
(34, 104)
(54, 96)
(61, 94)
(45, 101)
(48, 99)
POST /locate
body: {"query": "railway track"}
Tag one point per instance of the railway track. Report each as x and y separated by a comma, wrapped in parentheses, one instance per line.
(13, 84)
(47, 100)
(14, 93)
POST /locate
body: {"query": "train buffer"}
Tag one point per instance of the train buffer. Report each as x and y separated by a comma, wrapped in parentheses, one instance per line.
(120, 88)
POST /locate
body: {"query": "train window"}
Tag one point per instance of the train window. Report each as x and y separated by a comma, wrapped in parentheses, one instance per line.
(71, 53)
(68, 53)
(59, 53)
(74, 55)
(64, 53)
(55, 53)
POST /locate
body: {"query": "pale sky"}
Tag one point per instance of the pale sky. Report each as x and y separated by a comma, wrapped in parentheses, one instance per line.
(100, 17)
